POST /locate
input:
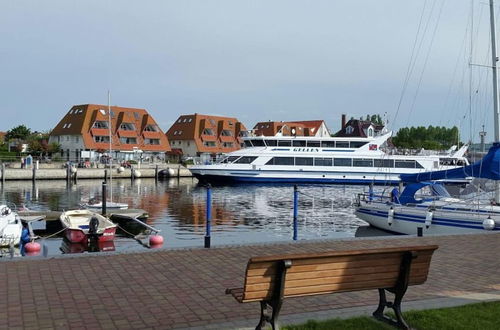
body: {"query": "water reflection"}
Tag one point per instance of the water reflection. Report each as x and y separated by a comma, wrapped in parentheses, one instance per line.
(240, 214)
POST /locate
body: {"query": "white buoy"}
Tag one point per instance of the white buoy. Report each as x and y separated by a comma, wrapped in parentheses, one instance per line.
(390, 216)
(170, 171)
(121, 169)
(137, 174)
(488, 224)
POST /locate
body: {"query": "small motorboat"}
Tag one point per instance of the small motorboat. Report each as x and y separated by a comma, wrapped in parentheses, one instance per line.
(82, 224)
(109, 206)
(10, 227)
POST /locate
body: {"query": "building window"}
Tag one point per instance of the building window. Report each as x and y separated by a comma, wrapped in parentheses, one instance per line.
(64, 126)
(209, 144)
(180, 120)
(208, 131)
(153, 141)
(100, 124)
(226, 132)
(180, 132)
(69, 125)
(151, 128)
(127, 126)
(227, 144)
(77, 139)
(230, 123)
(188, 143)
(370, 132)
(212, 122)
(349, 129)
(136, 116)
(101, 139)
(71, 112)
(190, 120)
(128, 140)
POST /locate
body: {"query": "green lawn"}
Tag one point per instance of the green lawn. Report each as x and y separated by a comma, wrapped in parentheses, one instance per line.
(481, 316)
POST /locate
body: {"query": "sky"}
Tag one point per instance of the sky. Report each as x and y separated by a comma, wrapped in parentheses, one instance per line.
(253, 60)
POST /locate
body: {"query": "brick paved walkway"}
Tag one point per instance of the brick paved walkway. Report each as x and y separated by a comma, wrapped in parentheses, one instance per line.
(185, 288)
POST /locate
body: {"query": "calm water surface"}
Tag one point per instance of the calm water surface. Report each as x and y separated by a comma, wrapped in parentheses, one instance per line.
(240, 214)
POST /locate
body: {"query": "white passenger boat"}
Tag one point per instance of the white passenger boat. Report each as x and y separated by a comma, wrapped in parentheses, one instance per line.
(10, 227)
(301, 159)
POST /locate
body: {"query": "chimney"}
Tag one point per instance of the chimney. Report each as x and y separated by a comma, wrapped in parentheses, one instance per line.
(343, 121)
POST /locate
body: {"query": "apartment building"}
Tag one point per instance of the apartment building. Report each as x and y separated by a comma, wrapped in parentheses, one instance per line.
(196, 134)
(86, 130)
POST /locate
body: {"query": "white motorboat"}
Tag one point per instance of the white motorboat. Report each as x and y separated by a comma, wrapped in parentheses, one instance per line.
(10, 227)
(343, 160)
(79, 226)
(97, 206)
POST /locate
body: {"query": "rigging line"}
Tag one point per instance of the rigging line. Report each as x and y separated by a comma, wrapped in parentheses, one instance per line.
(408, 70)
(470, 70)
(455, 70)
(426, 60)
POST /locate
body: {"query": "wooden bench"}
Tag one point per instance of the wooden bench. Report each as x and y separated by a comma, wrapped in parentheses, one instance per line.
(271, 279)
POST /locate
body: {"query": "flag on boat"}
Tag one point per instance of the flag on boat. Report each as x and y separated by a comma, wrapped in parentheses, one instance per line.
(372, 147)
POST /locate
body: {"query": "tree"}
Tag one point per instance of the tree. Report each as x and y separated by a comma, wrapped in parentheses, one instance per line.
(19, 132)
(434, 138)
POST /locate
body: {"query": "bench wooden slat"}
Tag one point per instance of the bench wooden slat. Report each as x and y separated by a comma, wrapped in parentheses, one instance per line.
(335, 272)
(362, 252)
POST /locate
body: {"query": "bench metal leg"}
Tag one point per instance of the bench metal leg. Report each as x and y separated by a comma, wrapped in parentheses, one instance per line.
(272, 318)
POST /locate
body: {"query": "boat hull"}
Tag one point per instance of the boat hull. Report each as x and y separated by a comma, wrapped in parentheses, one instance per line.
(79, 236)
(407, 220)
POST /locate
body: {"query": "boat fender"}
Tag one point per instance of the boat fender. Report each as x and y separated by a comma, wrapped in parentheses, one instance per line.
(428, 218)
(390, 216)
(488, 224)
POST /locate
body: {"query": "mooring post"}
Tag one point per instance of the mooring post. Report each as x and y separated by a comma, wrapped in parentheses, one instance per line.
(105, 175)
(68, 172)
(132, 173)
(34, 174)
(75, 179)
(104, 197)
(156, 172)
(209, 215)
(179, 171)
(295, 211)
(3, 173)
(420, 231)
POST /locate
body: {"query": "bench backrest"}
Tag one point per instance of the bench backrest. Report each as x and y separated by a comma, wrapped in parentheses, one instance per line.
(321, 273)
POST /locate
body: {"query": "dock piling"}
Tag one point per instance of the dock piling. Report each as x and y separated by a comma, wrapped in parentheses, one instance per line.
(420, 231)
(208, 216)
(33, 178)
(105, 175)
(295, 211)
(3, 173)
(104, 197)
(156, 173)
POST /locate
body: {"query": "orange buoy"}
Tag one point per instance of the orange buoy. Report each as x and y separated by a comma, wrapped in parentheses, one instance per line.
(155, 240)
(32, 248)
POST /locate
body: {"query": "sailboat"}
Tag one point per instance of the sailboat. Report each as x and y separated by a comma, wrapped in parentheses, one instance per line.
(437, 212)
(109, 204)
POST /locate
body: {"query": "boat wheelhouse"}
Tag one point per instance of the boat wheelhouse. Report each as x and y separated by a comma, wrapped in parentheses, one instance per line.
(321, 160)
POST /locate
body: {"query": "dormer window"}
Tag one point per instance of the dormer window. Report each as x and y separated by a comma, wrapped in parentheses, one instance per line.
(208, 131)
(370, 132)
(127, 127)
(100, 124)
(349, 130)
(151, 128)
(226, 132)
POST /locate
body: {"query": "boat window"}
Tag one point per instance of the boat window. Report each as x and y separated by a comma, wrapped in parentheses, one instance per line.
(383, 162)
(313, 144)
(271, 143)
(342, 162)
(405, 164)
(362, 162)
(322, 162)
(231, 159)
(327, 144)
(258, 143)
(284, 143)
(299, 143)
(418, 165)
(306, 161)
(223, 160)
(357, 144)
(248, 143)
(246, 160)
(342, 144)
(280, 161)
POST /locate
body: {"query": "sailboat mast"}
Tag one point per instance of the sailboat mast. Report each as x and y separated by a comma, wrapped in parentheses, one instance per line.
(494, 60)
(110, 156)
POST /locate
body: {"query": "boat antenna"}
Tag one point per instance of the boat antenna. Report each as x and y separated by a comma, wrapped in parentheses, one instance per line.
(110, 156)
(494, 60)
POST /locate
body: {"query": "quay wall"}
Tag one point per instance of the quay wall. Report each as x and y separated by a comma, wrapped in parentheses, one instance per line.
(85, 173)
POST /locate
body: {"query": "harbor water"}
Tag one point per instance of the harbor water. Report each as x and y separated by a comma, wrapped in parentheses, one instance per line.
(243, 214)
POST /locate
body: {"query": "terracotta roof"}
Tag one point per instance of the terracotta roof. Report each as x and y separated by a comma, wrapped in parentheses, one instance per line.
(81, 120)
(206, 128)
(304, 127)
